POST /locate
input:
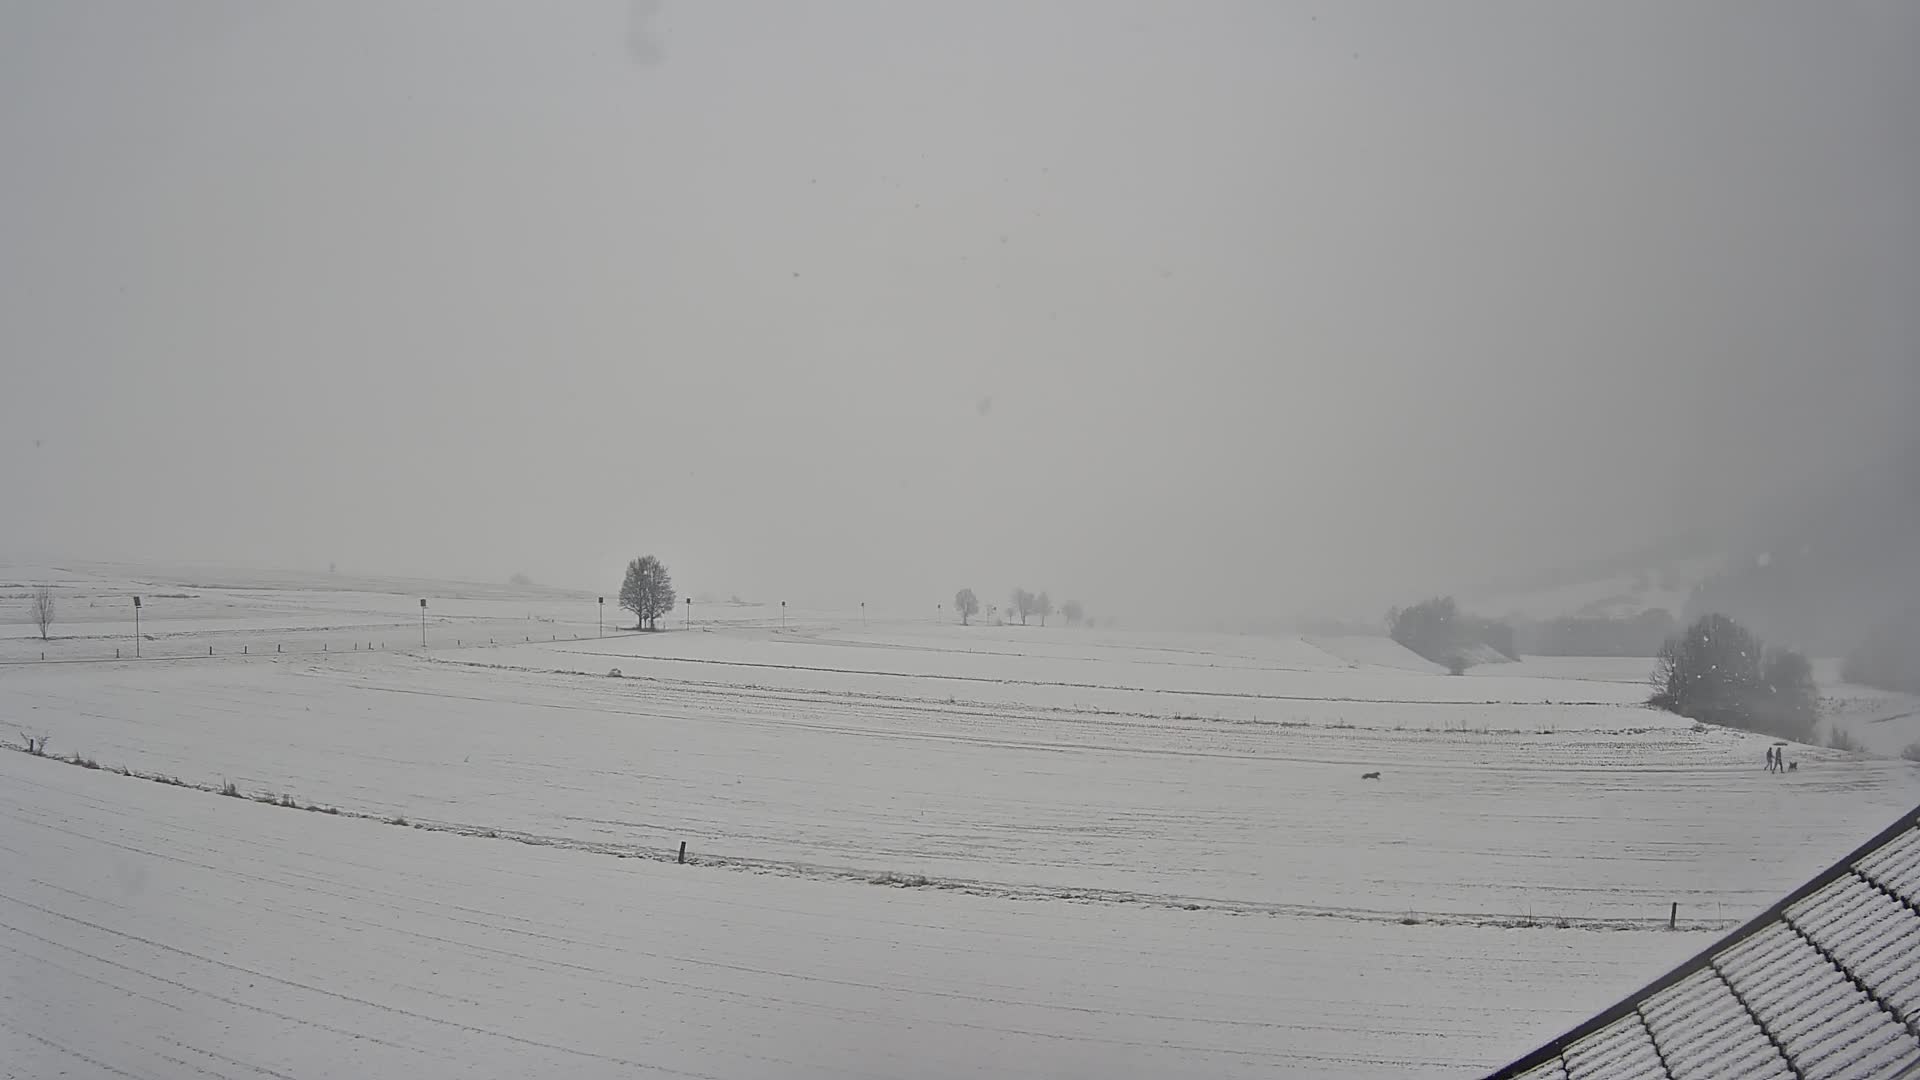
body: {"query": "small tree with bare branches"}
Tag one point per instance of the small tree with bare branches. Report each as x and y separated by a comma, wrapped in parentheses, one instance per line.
(967, 604)
(43, 610)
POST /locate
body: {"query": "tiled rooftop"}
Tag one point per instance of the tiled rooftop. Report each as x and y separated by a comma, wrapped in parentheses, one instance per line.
(1825, 984)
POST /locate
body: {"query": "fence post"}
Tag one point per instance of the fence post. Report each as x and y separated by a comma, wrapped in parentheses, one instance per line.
(243, 650)
(1673, 916)
(683, 852)
(209, 650)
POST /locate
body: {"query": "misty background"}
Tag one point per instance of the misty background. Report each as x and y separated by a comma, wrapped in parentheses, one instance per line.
(1196, 312)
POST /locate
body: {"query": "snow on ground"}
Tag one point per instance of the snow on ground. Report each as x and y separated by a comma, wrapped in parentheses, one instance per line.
(1886, 722)
(1143, 852)
(158, 932)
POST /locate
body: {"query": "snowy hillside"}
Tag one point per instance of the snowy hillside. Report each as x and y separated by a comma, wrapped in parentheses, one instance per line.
(913, 849)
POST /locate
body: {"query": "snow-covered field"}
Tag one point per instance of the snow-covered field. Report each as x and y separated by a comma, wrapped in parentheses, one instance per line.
(914, 848)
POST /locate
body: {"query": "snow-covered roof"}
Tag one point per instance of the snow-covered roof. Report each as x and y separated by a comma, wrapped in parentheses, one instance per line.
(1826, 983)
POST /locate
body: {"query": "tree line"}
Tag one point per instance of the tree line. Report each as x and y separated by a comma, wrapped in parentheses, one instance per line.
(1021, 604)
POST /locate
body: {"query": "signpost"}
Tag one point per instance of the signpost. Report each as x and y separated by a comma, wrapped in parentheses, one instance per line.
(136, 627)
(423, 622)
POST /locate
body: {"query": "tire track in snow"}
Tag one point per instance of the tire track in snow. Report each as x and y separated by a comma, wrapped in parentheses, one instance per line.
(1247, 695)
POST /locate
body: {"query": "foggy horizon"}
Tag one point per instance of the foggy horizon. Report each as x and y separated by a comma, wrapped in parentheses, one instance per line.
(1216, 313)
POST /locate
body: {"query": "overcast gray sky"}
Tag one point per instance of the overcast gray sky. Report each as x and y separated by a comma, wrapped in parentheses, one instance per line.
(1204, 308)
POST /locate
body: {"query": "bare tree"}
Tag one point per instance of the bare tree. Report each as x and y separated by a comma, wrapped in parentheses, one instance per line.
(967, 604)
(1043, 607)
(43, 610)
(647, 591)
(1021, 604)
(1072, 612)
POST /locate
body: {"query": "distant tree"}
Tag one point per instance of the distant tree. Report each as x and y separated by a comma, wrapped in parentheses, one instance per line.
(1792, 700)
(967, 604)
(42, 605)
(1491, 632)
(1708, 671)
(1072, 612)
(1438, 630)
(1021, 604)
(1430, 628)
(520, 579)
(1717, 671)
(1043, 607)
(647, 591)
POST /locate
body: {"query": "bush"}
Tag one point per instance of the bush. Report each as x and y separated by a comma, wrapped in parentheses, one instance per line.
(229, 790)
(1840, 740)
(1912, 752)
(1717, 671)
(1458, 665)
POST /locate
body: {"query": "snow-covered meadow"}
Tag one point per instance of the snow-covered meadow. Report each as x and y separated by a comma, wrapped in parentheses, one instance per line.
(914, 848)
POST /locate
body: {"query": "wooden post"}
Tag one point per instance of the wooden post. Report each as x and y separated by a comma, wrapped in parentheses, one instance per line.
(209, 650)
(276, 648)
(116, 654)
(1673, 917)
(683, 852)
(243, 650)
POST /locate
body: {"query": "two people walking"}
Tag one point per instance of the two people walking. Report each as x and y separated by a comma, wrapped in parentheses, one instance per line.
(1776, 759)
